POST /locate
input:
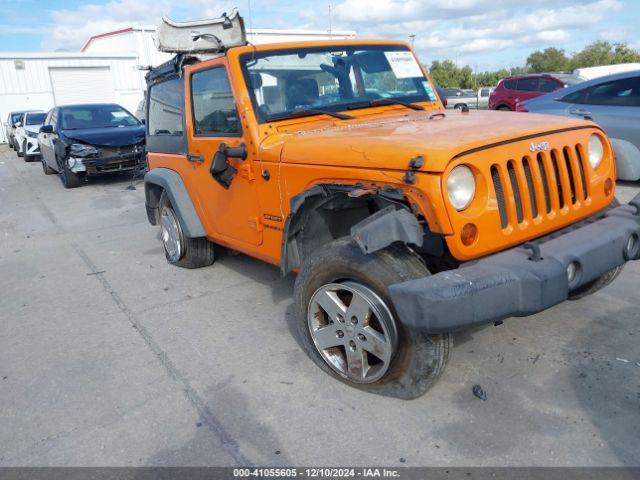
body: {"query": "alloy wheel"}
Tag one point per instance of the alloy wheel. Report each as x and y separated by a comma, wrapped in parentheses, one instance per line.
(171, 234)
(353, 330)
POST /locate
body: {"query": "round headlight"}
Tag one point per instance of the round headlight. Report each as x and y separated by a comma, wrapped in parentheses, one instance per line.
(596, 151)
(461, 187)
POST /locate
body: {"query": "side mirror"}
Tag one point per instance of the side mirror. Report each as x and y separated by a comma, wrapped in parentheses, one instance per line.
(46, 129)
(143, 121)
(17, 124)
(221, 171)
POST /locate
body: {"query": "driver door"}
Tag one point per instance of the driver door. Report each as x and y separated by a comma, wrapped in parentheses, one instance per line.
(212, 119)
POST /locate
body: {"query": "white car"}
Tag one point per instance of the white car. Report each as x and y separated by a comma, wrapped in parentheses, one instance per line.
(26, 134)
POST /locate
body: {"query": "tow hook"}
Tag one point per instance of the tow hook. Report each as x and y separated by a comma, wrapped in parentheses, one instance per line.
(536, 255)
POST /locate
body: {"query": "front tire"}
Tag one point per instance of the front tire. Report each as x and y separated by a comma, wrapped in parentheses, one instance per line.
(597, 284)
(68, 178)
(179, 249)
(602, 281)
(19, 152)
(504, 108)
(362, 344)
(45, 167)
(27, 158)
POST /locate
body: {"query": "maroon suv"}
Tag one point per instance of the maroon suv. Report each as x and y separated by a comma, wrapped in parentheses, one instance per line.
(513, 90)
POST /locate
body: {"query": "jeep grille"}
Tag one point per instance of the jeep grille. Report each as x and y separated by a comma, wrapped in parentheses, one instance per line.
(542, 183)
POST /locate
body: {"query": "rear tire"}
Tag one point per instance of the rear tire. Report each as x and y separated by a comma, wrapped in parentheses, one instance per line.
(504, 108)
(179, 249)
(340, 269)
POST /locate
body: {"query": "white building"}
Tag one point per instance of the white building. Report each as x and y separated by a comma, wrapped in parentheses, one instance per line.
(107, 69)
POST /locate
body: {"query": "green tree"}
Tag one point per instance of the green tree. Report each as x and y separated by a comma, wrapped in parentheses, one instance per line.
(445, 73)
(624, 54)
(604, 53)
(548, 60)
(466, 77)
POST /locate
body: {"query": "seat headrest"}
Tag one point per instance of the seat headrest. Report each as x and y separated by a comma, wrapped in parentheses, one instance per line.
(302, 92)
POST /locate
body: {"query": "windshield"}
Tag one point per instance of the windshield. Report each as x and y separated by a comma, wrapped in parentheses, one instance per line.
(35, 118)
(96, 116)
(332, 78)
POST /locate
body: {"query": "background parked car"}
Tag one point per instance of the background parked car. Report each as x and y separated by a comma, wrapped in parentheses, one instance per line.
(441, 95)
(613, 102)
(84, 140)
(458, 98)
(10, 126)
(26, 134)
(519, 88)
(141, 111)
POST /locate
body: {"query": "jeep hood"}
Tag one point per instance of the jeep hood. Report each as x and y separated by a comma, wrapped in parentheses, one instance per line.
(107, 137)
(389, 142)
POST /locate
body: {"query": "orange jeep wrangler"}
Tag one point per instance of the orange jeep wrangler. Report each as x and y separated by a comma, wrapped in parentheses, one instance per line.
(404, 222)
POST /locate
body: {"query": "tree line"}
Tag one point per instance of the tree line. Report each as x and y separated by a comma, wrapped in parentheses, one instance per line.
(447, 74)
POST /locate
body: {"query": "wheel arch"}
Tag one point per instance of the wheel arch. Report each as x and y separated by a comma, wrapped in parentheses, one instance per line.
(627, 159)
(163, 179)
(373, 218)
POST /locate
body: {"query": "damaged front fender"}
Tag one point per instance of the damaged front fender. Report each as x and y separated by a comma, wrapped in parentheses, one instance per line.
(385, 227)
(324, 213)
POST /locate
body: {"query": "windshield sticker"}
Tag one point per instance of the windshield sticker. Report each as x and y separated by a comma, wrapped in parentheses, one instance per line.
(429, 90)
(403, 64)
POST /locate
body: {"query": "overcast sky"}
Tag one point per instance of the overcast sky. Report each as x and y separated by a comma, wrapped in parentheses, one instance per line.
(487, 34)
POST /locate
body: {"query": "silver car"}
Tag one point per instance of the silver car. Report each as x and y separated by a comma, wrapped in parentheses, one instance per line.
(613, 102)
(458, 98)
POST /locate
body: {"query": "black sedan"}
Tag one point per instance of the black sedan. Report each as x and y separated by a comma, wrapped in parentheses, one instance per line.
(79, 141)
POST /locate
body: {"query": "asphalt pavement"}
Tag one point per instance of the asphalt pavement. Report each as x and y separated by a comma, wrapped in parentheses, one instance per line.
(110, 356)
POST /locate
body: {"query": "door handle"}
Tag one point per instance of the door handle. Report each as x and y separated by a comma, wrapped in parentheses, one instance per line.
(579, 111)
(195, 158)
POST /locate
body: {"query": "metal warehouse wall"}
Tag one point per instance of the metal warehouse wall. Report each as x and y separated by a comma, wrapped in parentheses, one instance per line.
(31, 88)
(137, 40)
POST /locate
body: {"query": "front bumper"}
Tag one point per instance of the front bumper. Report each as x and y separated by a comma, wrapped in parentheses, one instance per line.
(33, 148)
(118, 163)
(515, 283)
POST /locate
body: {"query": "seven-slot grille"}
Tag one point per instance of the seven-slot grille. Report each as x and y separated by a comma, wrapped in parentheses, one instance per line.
(539, 184)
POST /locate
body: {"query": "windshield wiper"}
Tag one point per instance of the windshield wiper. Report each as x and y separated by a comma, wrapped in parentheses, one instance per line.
(385, 101)
(307, 113)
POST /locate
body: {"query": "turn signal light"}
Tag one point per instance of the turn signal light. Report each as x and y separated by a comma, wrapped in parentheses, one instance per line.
(608, 187)
(469, 234)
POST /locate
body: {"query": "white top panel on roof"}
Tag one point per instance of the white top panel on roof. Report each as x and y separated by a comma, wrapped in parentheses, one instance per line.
(203, 36)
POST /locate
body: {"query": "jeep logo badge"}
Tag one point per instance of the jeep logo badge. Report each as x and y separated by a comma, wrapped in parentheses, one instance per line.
(537, 147)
